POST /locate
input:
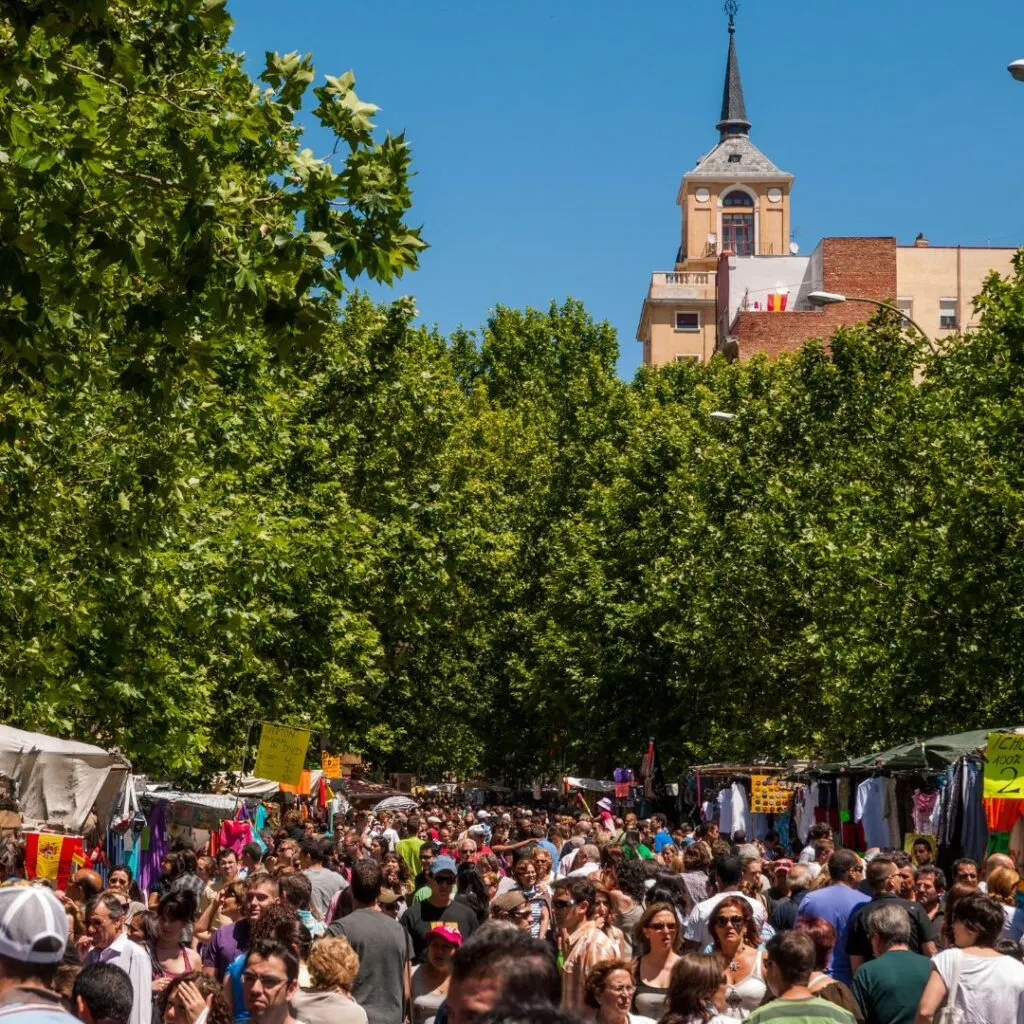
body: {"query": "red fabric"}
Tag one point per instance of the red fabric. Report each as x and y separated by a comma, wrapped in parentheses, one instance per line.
(829, 814)
(235, 834)
(1001, 814)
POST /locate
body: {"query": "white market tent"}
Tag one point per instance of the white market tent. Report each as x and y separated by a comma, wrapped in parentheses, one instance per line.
(58, 782)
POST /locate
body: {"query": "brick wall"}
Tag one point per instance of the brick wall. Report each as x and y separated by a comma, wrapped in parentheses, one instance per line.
(850, 266)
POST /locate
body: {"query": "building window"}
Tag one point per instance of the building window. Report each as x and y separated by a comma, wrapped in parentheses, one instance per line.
(947, 315)
(687, 321)
(906, 307)
(680, 358)
(738, 233)
(737, 198)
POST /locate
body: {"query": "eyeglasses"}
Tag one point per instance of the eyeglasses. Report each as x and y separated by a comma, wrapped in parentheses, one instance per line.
(736, 922)
(562, 904)
(267, 981)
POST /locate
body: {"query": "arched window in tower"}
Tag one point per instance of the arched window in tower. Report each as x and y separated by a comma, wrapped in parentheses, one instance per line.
(738, 223)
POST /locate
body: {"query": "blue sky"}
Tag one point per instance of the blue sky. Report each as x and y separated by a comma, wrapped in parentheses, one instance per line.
(549, 136)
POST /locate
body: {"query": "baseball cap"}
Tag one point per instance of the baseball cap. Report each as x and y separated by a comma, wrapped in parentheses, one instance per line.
(442, 863)
(483, 815)
(33, 925)
(448, 932)
(388, 896)
(508, 901)
(433, 820)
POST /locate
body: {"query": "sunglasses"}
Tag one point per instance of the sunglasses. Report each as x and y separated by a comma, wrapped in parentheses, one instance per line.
(664, 926)
(522, 914)
(722, 922)
(562, 904)
(444, 879)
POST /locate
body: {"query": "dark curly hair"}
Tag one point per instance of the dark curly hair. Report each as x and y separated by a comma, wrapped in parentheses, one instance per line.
(220, 1012)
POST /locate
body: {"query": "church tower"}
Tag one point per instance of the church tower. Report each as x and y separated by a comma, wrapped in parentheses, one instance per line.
(735, 200)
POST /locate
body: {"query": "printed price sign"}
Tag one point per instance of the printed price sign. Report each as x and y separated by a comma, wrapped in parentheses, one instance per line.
(330, 764)
(1004, 766)
(282, 753)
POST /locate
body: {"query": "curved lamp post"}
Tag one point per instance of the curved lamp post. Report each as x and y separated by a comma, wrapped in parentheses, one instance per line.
(1017, 70)
(833, 298)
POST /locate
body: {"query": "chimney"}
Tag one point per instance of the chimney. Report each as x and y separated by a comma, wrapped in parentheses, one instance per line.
(921, 242)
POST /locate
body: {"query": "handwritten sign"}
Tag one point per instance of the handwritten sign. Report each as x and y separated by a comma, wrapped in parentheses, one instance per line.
(769, 795)
(330, 764)
(282, 753)
(1004, 766)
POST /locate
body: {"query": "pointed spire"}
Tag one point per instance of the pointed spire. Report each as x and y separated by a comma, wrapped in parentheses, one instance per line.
(734, 112)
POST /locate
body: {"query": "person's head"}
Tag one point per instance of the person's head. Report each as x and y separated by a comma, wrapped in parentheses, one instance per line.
(260, 891)
(822, 934)
(514, 908)
(790, 960)
(33, 934)
(818, 831)
(428, 851)
(441, 878)
(543, 861)
(657, 929)
(311, 852)
(610, 987)
(366, 882)
(888, 926)
(998, 860)
(572, 900)
(728, 871)
(287, 853)
(269, 980)
(696, 987)
(252, 856)
(104, 920)
(467, 849)
(76, 921)
(333, 964)
(965, 872)
(696, 858)
(731, 921)
(84, 885)
(175, 912)
(442, 942)
(954, 894)
(1010, 947)
(977, 920)
(144, 928)
(206, 868)
(119, 879)
(798, 877)
(412, 826)
(500, 965)
(175, 1007)
(1002, 885)
(823, 849)
(102, 994)
(227, 864)
(922, 852)
(908, 881)
(295, 890)
(844, 866)
(525, 872)
(931, 884)
(882, 875)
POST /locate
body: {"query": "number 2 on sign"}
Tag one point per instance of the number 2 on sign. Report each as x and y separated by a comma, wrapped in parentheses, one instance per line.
(1008, 786)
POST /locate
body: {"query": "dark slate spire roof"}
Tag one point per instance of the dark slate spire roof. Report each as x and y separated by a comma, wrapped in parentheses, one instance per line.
(734, 112)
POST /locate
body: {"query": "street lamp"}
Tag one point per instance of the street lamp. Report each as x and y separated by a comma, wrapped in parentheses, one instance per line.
(833, 298)
(1017, 70)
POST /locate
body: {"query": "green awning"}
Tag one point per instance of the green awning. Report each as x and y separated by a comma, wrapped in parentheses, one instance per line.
(933, 754)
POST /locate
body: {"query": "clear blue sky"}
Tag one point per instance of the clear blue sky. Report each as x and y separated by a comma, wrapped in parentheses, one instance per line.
(549, 136)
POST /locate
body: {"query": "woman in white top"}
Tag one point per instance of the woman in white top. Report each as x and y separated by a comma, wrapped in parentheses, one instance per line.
(696, 991)
(987, 987)
(735, 936)
(609, 994)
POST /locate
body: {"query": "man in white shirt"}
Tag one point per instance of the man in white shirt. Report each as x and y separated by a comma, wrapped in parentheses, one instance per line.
(586, 862)
(104, 924)
(728, 873)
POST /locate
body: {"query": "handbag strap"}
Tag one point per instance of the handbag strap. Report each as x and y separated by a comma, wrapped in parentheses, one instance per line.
(957, 959)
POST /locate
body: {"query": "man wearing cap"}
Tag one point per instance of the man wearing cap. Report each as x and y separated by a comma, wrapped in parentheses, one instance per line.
(33, 937)
(514, 908)
(104, 924)
(438, 908)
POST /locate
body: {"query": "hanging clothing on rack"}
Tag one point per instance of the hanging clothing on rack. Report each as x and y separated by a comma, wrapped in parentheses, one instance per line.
(869, 810)
(924, 810)
(974, 834)
(804, 806)
(892, 815)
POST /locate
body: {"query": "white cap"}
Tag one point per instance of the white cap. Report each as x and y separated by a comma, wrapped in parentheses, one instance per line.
(33, 925)
(483, 815)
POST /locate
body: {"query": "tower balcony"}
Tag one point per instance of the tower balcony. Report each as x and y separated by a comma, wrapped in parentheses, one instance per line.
(672, 285)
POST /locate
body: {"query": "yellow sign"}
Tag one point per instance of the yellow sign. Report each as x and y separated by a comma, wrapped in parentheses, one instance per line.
(769, 795)
(330, 764)
(282, 753)
(1004, 766)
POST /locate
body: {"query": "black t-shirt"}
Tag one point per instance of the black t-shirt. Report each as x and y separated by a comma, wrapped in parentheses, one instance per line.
(858, 941)
(423, 916)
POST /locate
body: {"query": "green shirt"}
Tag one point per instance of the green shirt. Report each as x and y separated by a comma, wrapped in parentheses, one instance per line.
(801, 1011)
(889, 988)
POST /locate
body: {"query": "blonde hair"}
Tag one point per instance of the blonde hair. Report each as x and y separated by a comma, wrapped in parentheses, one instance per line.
(1002, 885)
(332, 963)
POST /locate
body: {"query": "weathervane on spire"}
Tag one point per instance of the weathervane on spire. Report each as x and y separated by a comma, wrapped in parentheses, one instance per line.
(731, 7)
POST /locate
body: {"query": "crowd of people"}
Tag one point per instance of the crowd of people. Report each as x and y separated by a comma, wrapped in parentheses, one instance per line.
(446, 916)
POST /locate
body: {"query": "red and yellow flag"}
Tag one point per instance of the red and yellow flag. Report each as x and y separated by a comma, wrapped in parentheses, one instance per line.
(48, 855)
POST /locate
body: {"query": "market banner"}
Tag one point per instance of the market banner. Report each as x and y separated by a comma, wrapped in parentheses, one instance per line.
(52, 856)
(282, 753)
(1004, 766)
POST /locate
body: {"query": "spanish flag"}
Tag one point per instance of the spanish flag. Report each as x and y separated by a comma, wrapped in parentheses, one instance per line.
(777, 300)
(48, 855)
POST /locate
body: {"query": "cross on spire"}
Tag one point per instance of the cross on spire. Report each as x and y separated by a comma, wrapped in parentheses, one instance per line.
(734, 112)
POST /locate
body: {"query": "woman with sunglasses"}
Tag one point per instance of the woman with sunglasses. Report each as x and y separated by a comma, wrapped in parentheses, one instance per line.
(657, 936)
(609, 992)
(735, 936)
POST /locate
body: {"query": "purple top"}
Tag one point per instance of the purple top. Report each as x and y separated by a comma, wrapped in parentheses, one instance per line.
(225, 944)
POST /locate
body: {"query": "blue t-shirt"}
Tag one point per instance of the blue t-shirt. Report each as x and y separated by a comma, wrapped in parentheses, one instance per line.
(661, 840)
(836, 904)
(234, 972)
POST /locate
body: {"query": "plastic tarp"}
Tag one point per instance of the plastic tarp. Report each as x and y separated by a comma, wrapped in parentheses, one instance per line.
(591, 785)
(935, 754)
(60, 781)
